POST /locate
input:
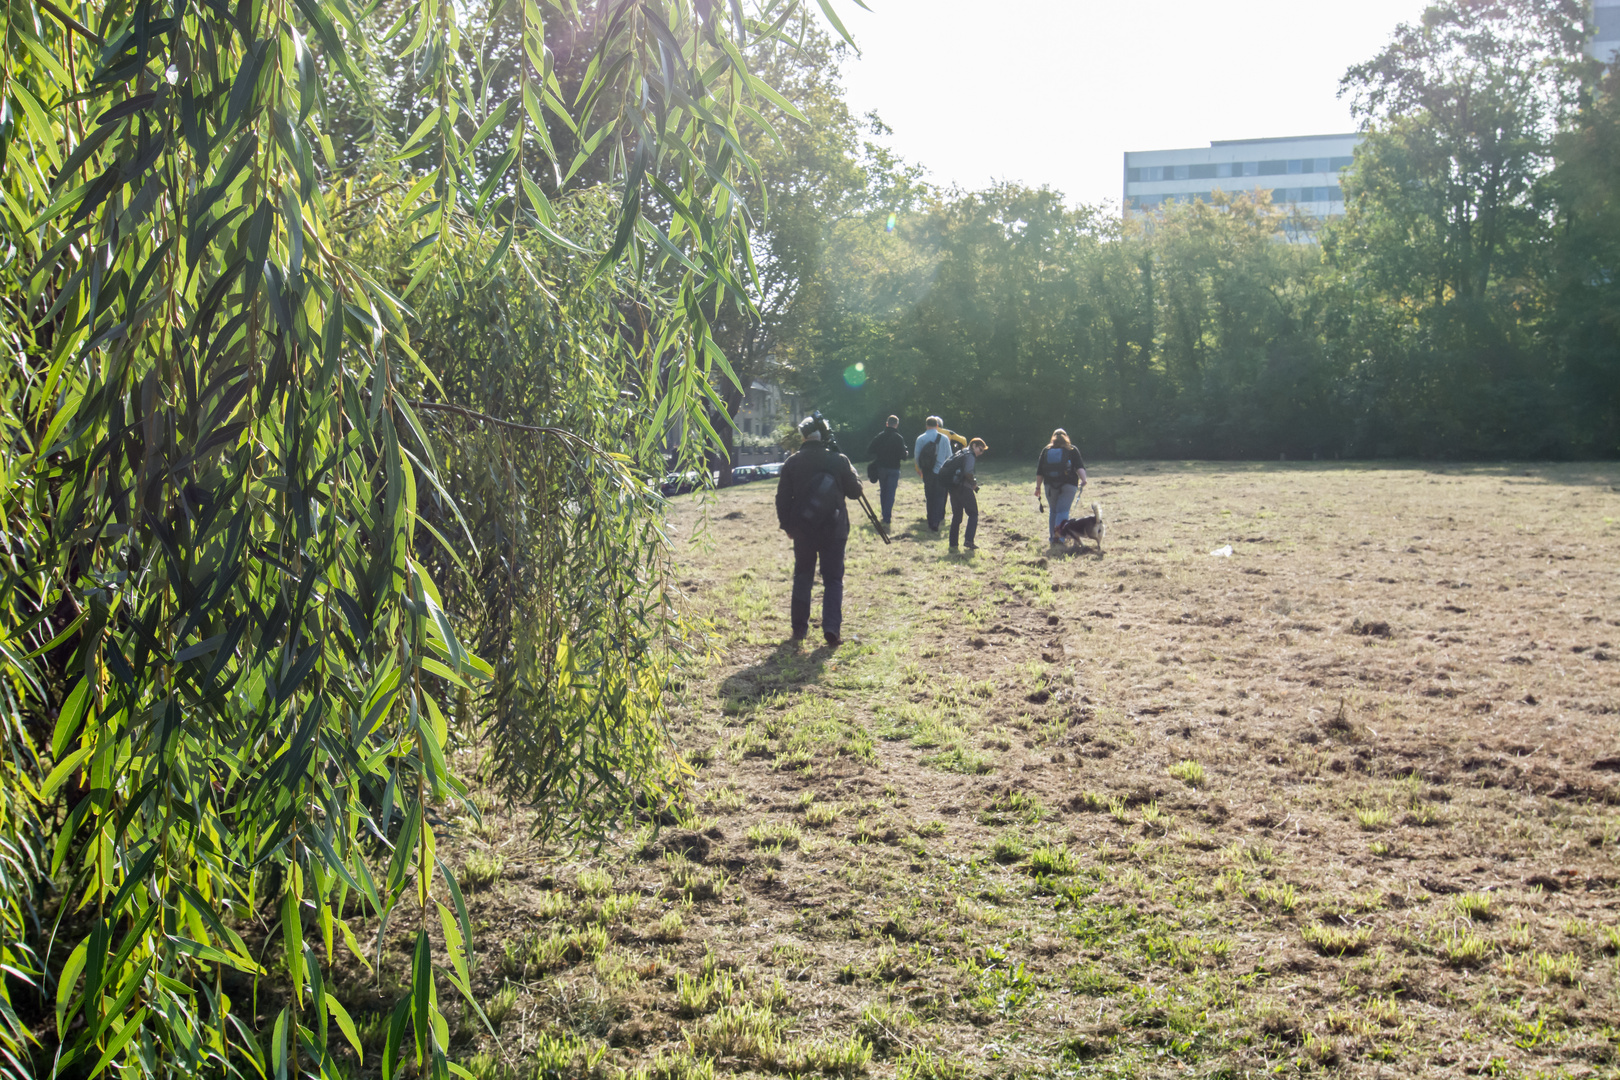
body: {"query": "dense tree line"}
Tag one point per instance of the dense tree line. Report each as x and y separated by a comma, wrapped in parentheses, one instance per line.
(1466, 306)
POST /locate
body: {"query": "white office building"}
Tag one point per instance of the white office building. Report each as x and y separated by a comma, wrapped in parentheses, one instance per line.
(1606, 42)
(1300, 171)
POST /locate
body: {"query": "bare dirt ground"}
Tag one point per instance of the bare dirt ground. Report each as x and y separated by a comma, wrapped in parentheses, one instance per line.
(1344, 801)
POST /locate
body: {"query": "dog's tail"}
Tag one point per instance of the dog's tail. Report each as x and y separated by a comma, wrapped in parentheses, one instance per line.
(1096, 512)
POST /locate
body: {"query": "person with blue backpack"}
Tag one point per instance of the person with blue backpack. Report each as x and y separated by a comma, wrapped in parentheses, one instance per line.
(810, 496)
(1062, 472)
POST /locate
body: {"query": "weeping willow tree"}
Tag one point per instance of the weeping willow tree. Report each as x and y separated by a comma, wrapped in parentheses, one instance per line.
(247, 591)
(562, 590)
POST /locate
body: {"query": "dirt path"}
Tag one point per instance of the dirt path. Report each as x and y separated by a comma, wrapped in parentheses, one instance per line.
(1345, 799)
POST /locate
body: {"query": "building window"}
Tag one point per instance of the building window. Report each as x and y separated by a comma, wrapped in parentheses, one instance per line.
(1250, 168)
(1200, 172)
(1271, 168)
(1338, 163)
(1133, 175)
(1295, 166)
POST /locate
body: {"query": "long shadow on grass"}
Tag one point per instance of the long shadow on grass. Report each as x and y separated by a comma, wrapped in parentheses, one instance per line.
(789, 666)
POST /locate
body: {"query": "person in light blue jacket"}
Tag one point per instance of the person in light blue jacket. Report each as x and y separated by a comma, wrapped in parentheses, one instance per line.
(932, 449)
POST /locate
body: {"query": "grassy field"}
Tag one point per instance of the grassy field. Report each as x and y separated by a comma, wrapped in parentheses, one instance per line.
(1346, 801)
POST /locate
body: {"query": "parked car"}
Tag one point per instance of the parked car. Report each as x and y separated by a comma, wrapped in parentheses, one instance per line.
(678, 483)
(742, 474)
(770, 469)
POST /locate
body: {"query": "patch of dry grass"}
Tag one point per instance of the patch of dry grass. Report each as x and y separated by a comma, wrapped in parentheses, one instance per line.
(1328, 805)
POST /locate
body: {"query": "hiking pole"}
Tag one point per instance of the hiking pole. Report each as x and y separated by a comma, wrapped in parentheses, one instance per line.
(871, 516)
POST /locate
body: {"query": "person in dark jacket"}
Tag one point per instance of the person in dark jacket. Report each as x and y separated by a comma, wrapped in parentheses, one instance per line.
(887, 450)
(810, 508)
(963, 489)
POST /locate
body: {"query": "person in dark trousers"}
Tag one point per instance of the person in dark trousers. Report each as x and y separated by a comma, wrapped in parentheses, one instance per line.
(887, 450)
(810, 496)
(1062, 472)
(964, 491)
(933, 447)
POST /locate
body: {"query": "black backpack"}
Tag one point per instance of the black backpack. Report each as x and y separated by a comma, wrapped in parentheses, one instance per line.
(950, 473)
(1056, 471)
(929, 455)
(818, 510)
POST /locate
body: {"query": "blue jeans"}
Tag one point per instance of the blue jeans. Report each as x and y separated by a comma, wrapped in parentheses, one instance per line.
(888, 480)
(831, 554)
(1059, 499)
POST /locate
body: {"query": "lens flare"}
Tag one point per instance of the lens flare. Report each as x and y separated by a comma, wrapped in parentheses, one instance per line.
(894, 220)
(855, 376)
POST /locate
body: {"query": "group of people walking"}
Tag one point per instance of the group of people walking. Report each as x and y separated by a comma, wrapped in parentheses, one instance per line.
(816, 481)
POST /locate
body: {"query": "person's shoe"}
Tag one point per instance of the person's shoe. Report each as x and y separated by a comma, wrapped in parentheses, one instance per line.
(832, 638)
(800, 635)
(953, 549)
(971, 546)
(933, 527)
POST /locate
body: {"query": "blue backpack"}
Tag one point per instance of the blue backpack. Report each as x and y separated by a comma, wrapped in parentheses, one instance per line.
(1055, 467)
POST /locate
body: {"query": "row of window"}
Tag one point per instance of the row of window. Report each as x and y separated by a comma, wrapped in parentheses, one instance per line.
(1278, 196)
(1224, 169)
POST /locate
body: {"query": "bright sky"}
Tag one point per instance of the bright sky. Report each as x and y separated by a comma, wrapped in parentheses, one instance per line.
(1055, 91)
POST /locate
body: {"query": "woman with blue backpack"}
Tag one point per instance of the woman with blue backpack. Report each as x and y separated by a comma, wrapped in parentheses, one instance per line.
(1062, 471)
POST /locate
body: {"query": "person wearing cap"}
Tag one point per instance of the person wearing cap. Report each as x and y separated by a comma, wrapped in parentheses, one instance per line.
(887, 450)
(965, 495)
(810, 496)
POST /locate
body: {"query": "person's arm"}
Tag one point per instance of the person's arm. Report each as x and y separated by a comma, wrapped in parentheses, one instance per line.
(848, 479)
(784, 500)
(874, 446)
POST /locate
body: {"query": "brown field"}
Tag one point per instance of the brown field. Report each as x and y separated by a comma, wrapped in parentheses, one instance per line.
(1344, 802)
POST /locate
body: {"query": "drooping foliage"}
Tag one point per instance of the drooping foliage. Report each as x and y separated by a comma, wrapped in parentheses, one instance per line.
(310, 456)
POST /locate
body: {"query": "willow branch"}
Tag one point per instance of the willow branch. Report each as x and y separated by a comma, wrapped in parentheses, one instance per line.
(566, 436)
